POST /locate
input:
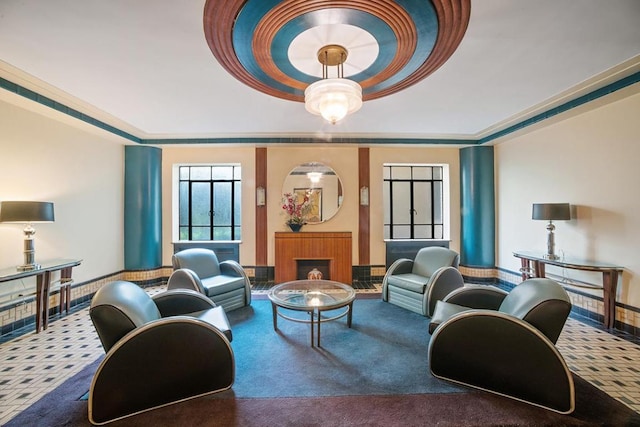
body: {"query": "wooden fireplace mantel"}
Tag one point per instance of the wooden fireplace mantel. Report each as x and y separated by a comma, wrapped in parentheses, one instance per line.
(334, 247)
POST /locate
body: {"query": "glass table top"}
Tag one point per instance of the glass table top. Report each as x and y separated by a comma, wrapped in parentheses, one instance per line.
(312, 294)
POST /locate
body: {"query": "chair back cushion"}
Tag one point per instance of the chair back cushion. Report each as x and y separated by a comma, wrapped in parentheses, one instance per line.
(540, 302)
(203, 261)
(118, 308)
(431, 258)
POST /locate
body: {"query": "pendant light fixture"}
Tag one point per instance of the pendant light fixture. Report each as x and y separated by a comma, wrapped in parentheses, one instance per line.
(333, 98)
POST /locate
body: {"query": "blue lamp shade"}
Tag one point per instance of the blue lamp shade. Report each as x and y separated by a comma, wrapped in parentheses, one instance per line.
(26, 212)
(551, 211)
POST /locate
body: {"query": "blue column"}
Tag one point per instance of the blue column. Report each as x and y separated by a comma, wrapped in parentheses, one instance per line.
(477, 207)
(142, 208)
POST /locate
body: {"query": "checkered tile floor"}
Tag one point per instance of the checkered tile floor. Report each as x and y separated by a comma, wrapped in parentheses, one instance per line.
(33, 364)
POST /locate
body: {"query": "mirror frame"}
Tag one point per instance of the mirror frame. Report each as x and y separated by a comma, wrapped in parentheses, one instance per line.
(326, 197)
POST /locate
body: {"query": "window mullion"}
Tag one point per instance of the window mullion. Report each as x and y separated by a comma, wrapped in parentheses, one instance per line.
(233, 208)
(212, 211)
(433, 210)
(391, 225)
(190, 212)
(412, 210)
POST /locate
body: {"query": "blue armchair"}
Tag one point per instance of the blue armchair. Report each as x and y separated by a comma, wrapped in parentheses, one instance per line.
(161, 350)
(226, 282)
(504, 343)
(417, 284)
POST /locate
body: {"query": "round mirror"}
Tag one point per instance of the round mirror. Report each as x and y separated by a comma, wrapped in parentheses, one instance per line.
(321, 184)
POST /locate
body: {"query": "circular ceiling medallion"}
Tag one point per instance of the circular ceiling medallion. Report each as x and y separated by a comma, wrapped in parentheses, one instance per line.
(272, 45)
(361, 46)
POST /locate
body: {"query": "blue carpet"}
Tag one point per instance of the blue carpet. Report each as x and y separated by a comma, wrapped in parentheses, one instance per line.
(377, 371)
(384, 352)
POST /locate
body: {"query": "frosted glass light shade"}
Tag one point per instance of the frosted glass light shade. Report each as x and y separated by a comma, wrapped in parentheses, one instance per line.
(333, 99)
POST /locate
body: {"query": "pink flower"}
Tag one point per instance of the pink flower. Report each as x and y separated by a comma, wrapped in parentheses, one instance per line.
(296, 207)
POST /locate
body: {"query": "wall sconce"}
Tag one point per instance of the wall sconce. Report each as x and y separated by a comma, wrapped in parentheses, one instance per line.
(27, 213)
(261, 196)
(364, 196)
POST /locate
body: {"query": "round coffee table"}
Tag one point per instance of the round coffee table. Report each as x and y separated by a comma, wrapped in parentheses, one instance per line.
(314, 297)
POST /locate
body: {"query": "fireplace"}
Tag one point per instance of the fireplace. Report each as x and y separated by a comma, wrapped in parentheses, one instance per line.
(313, 269)
(330, 248)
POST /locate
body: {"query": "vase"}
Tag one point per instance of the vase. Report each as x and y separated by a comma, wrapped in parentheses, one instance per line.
(295, 227)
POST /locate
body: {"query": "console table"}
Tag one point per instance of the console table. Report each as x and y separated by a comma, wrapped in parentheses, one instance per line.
(533, 265)
(43, 285)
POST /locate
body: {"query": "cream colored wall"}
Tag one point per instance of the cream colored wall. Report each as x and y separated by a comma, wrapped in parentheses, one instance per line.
(591, 161)
(280, 161)
(245, 156)
(380, 155)
(343, 160)
(44, 159)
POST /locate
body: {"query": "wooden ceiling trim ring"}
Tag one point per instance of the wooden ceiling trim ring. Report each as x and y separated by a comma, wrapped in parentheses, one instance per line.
(269, 26)
(218, 20)
(220, 39)
(453, 20)
(396, 17)
(219, 17)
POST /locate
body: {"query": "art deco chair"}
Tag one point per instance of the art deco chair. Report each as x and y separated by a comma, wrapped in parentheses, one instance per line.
(160, 350)
(417, 284)
(226, 282)
(505, 342)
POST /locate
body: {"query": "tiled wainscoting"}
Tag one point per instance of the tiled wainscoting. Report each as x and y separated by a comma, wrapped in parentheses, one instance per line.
(584, 304)
(16, 316)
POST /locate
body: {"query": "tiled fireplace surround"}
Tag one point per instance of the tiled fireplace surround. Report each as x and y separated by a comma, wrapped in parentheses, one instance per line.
(14, 317)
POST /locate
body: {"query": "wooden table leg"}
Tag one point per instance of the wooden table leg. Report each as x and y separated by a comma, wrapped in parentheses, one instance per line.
(42, 300)
(65, 289)
(539, 268)
(525, 268)
(45, 295)
(68, 296)
(610, 286)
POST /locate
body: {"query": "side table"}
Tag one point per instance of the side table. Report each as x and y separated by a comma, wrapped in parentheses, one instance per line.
(43, 285)
(533, 265)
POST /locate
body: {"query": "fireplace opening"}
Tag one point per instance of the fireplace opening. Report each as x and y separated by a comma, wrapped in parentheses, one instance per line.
(309, 269)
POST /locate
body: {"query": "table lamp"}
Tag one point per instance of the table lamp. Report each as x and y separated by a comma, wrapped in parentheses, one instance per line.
(27, 213)
(551, 212)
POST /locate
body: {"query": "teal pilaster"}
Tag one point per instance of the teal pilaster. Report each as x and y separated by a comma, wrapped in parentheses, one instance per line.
(477, 207)
(142, 208)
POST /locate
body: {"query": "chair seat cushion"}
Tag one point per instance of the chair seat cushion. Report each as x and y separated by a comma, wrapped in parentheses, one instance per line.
(409, 281)
(217, 317)
(222, 284)
(442, 312)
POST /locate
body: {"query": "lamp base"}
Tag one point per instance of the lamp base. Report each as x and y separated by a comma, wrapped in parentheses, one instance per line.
(551, 256)
(29, 267)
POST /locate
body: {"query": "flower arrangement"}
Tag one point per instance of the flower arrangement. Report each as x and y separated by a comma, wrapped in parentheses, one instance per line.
(296, 208)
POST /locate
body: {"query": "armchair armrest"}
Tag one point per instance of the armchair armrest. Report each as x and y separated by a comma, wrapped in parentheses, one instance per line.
(399, 266)
(233, 268)
(176, 302)
(184, 278)
(497, 352)
(443, 281)
(477, 296)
